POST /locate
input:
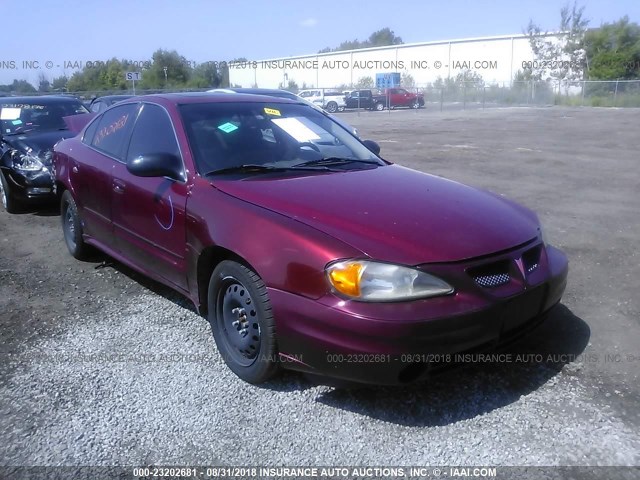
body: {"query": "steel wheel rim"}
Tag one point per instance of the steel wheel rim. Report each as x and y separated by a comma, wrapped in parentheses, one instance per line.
(70, 227)
(3, 195)
(237, 319)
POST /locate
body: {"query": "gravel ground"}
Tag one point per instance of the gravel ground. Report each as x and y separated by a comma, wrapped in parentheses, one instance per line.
(103, 367)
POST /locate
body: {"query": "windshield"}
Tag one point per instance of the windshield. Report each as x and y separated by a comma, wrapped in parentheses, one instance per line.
(224, 136)
(22, 117)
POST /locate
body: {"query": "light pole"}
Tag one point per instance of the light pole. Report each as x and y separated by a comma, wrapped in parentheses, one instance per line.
(165, 76)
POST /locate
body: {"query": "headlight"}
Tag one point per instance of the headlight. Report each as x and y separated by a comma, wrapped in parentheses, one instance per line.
(26, 162)
(383, 282)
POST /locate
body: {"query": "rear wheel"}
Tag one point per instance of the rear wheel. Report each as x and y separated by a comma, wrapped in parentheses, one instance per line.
(242, 322)
(332, 107)
(72, 227)
(10, 204)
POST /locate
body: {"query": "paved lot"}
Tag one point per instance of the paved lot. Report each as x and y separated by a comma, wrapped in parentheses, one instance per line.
(100, 366)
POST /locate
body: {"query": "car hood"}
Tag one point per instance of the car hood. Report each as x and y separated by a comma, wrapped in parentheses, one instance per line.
(393, 213)
(37, 142)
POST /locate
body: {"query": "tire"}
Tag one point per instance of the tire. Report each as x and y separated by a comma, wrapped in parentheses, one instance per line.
(242, 322)
(415, 104)
(72, 227)
(379, 106)
(10, 204)
(332, 107)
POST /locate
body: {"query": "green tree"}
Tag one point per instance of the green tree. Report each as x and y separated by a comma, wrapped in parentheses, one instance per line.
(18, 86)
(383, 37)
(407, 80)
(168, 69)
(468, 76)
(613, 51)
(205, 75)
(112, 77)
(379, 38)
(561, 56)
(59, 84)
(43, 83)
(365, 82)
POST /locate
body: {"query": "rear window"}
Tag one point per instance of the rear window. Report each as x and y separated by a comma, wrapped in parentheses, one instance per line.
(23, 117)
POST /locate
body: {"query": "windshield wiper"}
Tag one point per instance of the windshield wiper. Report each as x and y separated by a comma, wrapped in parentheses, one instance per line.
(335, 161)
(250, 167)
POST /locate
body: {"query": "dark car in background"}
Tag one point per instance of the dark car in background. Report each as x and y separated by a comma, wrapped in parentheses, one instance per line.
(302, 246)
(366, 98)
(100, 104)
(29, 128)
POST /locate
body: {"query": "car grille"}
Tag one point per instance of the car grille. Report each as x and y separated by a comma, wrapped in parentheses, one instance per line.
(491, 275)
(531, 258)
(497, 273)
(492, 280)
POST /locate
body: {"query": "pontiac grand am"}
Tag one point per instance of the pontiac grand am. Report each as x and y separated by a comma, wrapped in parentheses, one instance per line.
(300, 244)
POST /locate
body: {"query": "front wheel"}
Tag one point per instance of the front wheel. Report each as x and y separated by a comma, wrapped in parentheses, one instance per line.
(242, 322)
(379, 106)
(10, 204)
(415, 104)
(72, 227)
(332, 107)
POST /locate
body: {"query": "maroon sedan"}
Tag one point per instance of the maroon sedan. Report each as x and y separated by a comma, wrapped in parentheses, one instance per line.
(302, 246)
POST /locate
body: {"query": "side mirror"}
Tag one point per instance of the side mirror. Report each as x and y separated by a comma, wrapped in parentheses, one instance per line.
(156, 165)
(371, 145)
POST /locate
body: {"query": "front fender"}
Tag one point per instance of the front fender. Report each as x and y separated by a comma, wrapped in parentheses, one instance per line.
(287, 254)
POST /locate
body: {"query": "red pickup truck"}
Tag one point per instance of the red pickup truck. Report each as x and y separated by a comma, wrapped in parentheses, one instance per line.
(399, 97)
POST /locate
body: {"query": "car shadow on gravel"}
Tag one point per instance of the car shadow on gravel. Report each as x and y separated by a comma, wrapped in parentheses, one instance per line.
(100, 260)
(477, 387)
(39, 210)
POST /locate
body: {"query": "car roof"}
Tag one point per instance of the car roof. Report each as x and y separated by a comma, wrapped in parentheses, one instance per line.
(111, 97)
(39, 99)
(206, 97)
(256, 91)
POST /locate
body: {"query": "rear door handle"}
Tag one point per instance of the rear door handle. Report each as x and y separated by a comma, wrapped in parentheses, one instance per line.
(118, 186)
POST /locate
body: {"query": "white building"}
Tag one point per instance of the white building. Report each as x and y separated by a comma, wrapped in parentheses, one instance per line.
(496, 59)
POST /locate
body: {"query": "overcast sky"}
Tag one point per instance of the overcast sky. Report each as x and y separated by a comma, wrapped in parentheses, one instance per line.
(79, 30)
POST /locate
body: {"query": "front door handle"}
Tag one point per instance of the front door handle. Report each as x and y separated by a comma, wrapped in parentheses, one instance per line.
(118, 186)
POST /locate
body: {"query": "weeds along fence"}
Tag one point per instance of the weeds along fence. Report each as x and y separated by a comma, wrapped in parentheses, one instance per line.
(615, 93)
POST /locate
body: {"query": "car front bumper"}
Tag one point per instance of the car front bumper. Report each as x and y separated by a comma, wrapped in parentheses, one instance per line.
(30, 187)
(399, 343)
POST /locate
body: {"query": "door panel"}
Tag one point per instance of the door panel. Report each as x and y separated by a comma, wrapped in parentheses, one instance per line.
(149, 223)
(149, 212)
(92, 182)
(102, 149)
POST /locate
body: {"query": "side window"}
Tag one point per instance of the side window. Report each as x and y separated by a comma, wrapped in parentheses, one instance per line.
(113, 129)
(90, 132)
(96, 107)
(152, 133)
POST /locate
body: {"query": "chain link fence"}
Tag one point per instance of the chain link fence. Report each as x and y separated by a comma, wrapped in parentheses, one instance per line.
(478, 95)
(473, 95)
